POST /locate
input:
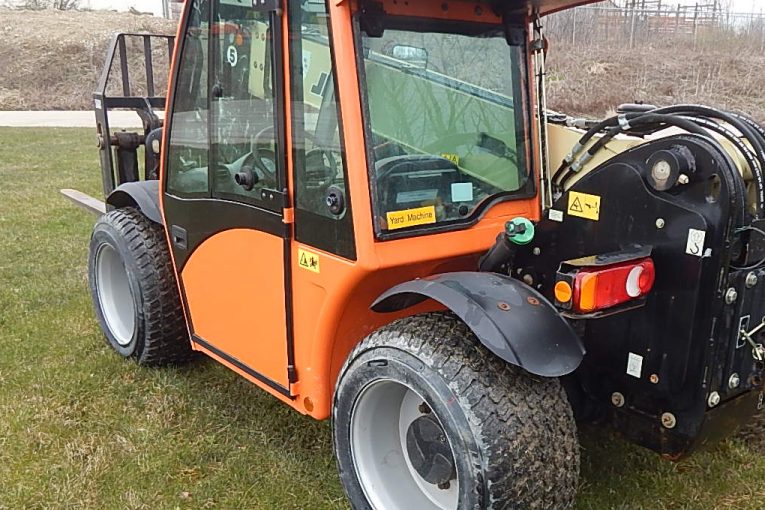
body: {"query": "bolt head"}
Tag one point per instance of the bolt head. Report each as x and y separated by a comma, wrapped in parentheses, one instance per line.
(731, 296)
(683, 179)
(751, 280)
(714, 399)
(617, 399)
(654, 379)
(660, 223)
(536, 251)
(668, 420)
(734, 381)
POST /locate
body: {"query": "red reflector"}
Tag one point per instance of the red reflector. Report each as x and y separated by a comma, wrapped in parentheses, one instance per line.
(604, 287)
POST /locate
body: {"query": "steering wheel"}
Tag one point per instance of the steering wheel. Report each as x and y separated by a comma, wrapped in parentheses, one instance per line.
(261, 153)
(320, 168)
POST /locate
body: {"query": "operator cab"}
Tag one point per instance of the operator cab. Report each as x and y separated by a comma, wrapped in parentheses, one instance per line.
(445, 106)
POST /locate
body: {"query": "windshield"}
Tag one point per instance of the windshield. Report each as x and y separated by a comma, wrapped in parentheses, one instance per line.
(446, 118)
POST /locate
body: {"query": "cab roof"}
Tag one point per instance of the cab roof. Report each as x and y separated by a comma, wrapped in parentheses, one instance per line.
(546, 6)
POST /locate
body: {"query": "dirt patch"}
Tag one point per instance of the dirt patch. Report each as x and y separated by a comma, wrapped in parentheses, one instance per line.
(50, 60)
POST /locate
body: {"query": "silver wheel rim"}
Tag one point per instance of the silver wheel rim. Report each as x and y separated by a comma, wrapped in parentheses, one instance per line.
(380, 418)
(114, 295)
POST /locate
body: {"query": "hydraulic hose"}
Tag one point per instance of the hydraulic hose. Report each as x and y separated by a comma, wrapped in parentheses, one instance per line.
(692, 119)
(640, 120)
(744, 126)
(582, 143)
(746, 152)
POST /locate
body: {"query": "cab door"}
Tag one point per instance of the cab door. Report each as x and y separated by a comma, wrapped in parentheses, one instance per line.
(224, 187)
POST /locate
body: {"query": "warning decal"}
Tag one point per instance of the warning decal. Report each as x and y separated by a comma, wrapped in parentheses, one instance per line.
(584, 205)
(308, 260)
(454, 158)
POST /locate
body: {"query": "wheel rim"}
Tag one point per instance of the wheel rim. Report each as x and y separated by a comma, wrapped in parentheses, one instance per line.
(384, 416)
(114, 295)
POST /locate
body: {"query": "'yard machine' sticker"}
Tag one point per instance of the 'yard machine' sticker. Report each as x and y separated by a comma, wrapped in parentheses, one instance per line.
(584, 206)
(411, 217)
(308, 260)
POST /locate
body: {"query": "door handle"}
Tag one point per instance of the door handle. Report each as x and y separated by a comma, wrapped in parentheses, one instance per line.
(179, 237)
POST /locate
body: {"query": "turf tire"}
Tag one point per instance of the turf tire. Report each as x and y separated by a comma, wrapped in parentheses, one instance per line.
(159, 334)
(513, 435)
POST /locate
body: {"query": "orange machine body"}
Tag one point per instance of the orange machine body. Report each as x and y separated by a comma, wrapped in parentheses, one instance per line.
(242, 315)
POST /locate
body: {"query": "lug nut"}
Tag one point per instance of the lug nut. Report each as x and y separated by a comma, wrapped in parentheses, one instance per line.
(751, 280)
(714, 399)
(734, 381)
(617, 399)
(731, 296)
(660, 223)
(668, 420)
(683, 179)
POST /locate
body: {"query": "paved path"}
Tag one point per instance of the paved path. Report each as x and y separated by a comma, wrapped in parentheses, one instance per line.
(117, 119)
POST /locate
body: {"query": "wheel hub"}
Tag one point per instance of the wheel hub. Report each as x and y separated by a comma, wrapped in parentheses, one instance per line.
(428, 450)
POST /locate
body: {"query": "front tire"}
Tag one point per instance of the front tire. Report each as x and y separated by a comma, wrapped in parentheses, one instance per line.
(134, 291)
(425, 417)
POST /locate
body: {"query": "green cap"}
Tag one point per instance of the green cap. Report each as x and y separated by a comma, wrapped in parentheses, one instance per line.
(520, 230)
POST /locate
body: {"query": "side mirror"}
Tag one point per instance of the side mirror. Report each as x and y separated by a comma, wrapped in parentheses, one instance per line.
(412, 55)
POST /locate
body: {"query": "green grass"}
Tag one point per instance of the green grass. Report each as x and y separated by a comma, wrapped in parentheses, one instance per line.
(81, 428)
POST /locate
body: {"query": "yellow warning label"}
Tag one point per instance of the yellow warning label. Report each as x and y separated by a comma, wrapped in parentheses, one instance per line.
(411, 217)
(454, 158)
(308, 260)
(584, 205)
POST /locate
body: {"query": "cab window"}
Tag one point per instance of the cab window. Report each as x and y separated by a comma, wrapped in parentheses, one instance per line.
(322, 203)
(445, 109)
(188, 144)
(243, 142)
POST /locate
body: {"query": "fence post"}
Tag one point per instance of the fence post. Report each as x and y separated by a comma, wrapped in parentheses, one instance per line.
(634, 25)
(695, 24)
(573, 28)
(677, 20)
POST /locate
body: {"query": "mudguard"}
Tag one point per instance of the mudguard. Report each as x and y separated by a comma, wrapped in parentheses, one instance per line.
(512, 320)
(141, 194)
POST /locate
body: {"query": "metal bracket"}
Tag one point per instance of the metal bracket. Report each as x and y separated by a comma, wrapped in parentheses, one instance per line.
(758, 350)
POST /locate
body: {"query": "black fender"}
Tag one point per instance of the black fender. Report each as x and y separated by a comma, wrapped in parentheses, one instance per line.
(511, 319)
(141, 194)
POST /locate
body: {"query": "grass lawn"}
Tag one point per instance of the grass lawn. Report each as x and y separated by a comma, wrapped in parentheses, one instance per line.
(82, 428)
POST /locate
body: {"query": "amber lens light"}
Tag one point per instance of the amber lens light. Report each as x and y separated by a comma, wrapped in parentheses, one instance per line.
(563, 292)
(588, 292)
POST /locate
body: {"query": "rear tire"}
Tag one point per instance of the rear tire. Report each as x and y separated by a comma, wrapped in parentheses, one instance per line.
(134, 291)
(511, 436)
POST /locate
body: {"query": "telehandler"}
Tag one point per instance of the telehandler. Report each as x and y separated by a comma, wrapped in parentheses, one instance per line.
(365, 208)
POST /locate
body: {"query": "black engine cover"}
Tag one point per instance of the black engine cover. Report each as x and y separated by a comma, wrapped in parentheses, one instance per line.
(669, 355)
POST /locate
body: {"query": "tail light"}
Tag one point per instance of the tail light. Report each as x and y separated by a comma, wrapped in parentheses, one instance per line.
(587, 290)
